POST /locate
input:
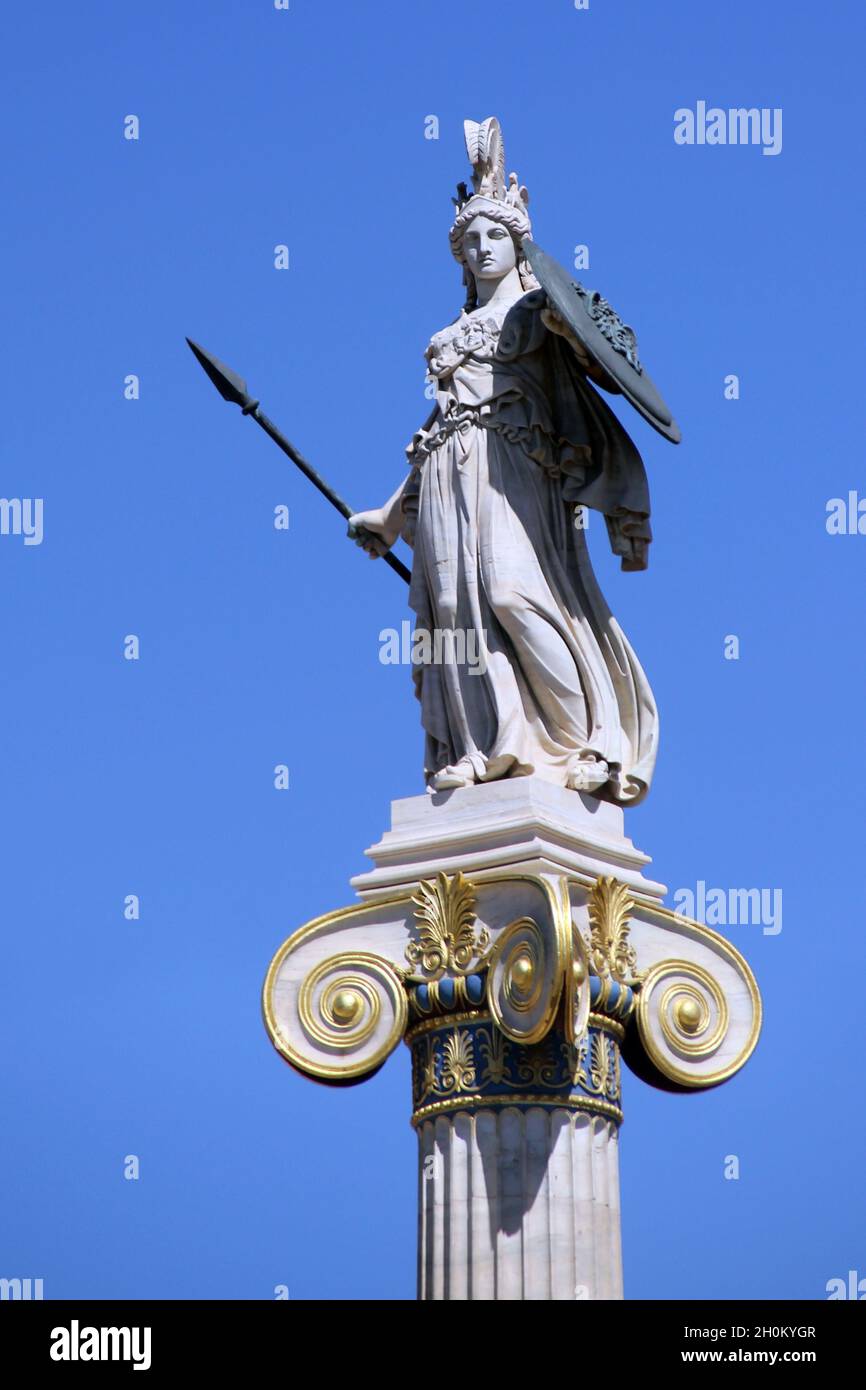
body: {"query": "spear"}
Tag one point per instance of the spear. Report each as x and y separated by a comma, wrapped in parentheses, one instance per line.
(232, 388)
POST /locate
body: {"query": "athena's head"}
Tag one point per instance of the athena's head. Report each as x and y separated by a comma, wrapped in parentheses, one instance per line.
(488, 231)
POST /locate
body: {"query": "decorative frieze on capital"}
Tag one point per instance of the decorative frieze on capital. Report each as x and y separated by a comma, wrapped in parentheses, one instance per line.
(464, 1062)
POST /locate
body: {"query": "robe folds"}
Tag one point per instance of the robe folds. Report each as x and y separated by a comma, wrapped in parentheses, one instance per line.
(520, 438)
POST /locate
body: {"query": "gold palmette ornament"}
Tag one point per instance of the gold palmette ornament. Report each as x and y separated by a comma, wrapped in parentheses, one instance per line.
(610, 954)
(445, 912)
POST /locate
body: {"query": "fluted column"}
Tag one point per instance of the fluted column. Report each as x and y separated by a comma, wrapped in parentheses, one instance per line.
(518, 1187)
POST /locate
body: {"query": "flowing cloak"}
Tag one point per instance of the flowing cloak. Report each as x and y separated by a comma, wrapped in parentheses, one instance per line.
(536, 675)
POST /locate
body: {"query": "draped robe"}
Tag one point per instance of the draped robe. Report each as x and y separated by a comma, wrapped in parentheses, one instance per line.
(519, 438)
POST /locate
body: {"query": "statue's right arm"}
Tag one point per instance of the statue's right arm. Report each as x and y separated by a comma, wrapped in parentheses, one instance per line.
(384, 523)
(397, 516)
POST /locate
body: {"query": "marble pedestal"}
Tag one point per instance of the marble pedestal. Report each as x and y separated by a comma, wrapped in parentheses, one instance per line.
(509, 935)
(519, 823)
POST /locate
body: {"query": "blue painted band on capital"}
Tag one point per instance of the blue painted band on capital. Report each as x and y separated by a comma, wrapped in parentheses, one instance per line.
(468, 1063)
(427, 998)
(610, 997)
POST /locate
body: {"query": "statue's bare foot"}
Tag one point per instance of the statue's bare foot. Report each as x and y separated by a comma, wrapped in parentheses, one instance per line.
(461, 774)
(587, 775)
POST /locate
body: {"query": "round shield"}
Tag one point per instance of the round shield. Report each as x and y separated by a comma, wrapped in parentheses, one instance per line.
(602, 333)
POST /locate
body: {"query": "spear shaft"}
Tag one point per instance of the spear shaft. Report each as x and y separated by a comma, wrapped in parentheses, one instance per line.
(233, 388)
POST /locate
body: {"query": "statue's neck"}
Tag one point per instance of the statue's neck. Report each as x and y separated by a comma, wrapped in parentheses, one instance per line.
(506, 290)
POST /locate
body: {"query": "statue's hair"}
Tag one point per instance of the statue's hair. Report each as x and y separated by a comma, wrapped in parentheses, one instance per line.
(518, 224)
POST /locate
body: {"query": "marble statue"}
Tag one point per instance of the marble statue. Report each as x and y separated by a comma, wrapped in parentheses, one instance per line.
(519, 442)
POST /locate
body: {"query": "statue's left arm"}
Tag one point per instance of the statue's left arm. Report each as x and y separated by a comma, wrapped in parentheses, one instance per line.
(554, 322)
(595, 457)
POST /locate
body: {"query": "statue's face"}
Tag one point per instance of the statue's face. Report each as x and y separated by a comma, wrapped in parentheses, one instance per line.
(488, 249)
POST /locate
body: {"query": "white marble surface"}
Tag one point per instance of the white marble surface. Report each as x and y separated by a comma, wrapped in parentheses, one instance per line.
(519, 823)
(518, 1205)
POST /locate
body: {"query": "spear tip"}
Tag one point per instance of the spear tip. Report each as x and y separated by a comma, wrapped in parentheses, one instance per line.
(230, 386)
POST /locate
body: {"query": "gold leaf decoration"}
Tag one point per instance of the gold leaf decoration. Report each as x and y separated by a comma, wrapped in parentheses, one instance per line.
(447, 939)
(538, 1066)
(611, 954)
(575, 1055)
(599, 1065)
(494, 1048)
(458, 1064)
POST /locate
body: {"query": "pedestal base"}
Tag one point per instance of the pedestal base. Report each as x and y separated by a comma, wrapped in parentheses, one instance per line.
(519, 823)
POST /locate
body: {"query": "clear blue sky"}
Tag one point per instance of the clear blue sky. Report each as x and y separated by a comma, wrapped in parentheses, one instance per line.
(259, 647)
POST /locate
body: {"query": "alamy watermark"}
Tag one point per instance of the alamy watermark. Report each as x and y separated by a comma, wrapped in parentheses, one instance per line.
(739, 125)
(24, 1289)
(22, 516)
(846, 516)
(731, 907)
(77, 1343)
(439, 646)
(853, 1287)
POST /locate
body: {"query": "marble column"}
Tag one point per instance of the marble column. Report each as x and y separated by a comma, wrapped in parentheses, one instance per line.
(518, 1177)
